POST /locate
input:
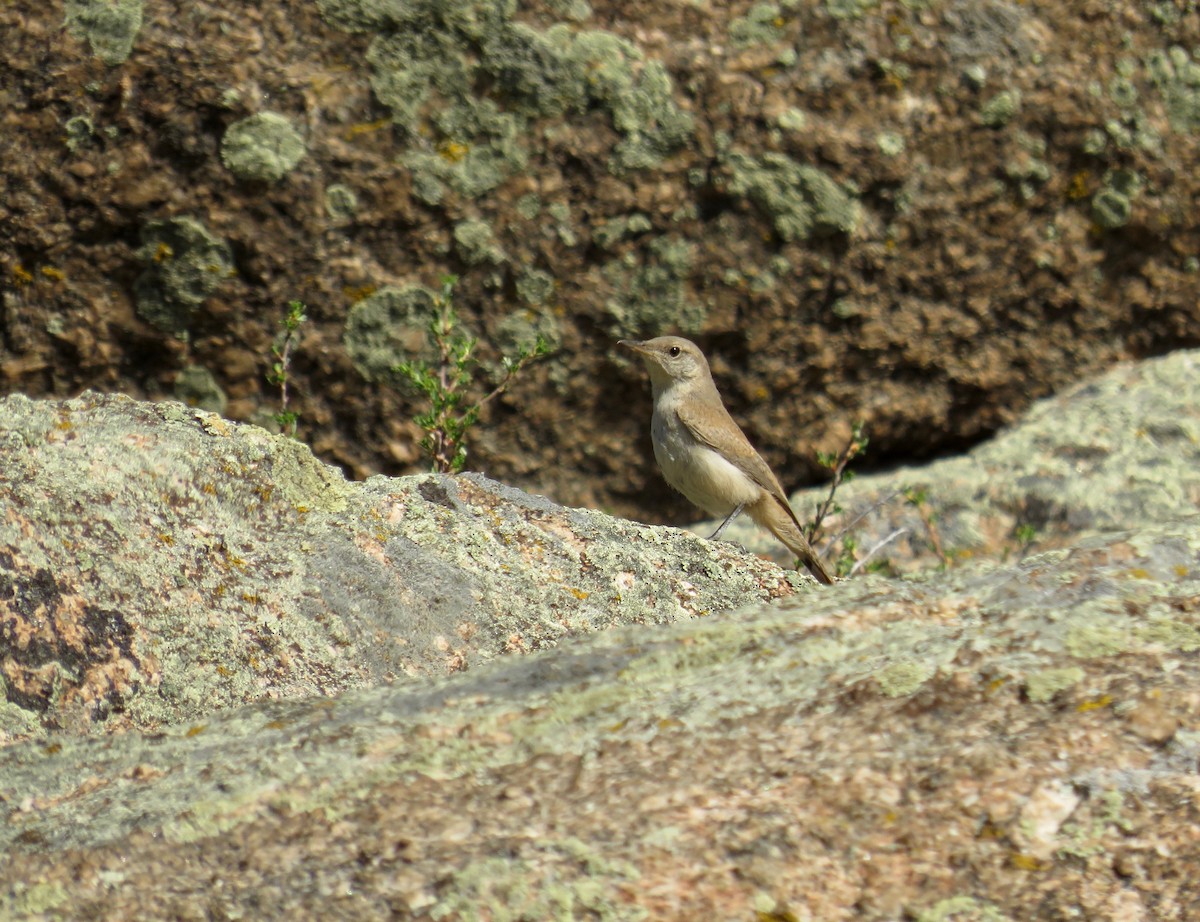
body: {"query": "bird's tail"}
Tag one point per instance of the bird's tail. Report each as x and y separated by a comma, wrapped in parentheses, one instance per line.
(780, 522)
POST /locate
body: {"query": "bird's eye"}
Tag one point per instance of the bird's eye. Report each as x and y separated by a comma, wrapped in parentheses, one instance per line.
(673, 351)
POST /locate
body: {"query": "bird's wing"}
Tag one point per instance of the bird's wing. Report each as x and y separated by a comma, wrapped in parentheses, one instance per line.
(731, 443)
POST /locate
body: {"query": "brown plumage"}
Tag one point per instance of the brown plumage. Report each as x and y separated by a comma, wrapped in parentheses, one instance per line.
(705, 455)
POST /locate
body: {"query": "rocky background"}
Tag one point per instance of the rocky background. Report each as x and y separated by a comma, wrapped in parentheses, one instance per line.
(922, 215)
(238, 681)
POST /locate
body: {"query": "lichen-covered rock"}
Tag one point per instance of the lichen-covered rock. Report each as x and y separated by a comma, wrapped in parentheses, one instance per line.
(1121, 449)
(159, 563)
(994, 736)
(801, 201)
(991, 738)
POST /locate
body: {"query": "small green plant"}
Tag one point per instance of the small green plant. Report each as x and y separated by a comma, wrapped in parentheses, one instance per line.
(447, 383)
(839, 464)
(1026, 535)
(918, 498)
(278, 375)
(848, 557)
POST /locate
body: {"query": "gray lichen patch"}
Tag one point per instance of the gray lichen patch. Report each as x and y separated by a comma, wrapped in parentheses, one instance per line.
(801, 200)
(1112, 205)
(185, 264)
(520, 331)
(903, 678)
(1000, 109)
(1044, 684)
(476, 243)
(264, 147)
(650, 290)
(568, 867)
(196, 386)
(305, 482)
(388, 327)
(81, 133)
(430, 62)
(1176, 75)
(341, 203)
(109, 26)
(535, 287)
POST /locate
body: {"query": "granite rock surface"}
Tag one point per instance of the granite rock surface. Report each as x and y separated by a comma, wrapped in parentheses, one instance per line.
(1005, 738)
(158, 563)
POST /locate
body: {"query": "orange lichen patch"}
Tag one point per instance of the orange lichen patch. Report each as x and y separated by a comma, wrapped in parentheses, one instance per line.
(1080, 186)
(1023, 862)
(358, 293)
(362, 128)
(452, 151)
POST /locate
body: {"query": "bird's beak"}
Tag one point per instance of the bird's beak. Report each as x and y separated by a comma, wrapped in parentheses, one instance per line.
(633, 345)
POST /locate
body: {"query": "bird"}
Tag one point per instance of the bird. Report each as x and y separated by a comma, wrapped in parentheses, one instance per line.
(705, 455)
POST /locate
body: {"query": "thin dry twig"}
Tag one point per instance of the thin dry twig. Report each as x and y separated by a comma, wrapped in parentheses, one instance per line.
(862, 562)
(874, 507)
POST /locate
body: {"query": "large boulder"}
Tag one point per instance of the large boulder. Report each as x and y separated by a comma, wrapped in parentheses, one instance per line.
(1109, 453)
(1005, 742)
(158, 563)
(998, 739)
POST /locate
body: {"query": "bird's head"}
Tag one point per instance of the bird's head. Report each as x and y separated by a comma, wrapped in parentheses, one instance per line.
(669, 359)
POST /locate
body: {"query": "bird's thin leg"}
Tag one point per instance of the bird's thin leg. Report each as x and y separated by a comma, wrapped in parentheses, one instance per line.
(729, 518)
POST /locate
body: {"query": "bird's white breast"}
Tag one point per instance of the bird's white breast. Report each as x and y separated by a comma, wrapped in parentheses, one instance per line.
(695, 470)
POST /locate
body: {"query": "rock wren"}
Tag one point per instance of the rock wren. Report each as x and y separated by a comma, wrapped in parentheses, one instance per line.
(705, 455)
